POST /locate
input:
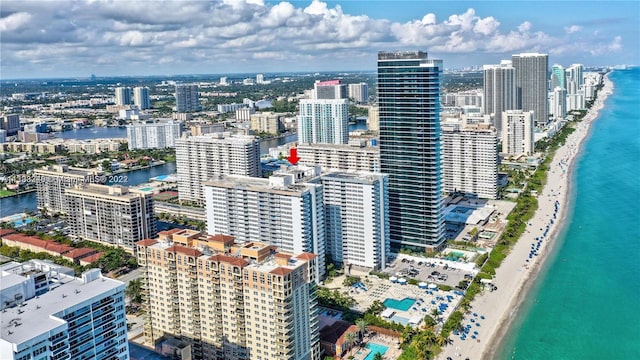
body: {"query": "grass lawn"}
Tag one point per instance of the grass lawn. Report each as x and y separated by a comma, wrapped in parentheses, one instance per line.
(4, 193)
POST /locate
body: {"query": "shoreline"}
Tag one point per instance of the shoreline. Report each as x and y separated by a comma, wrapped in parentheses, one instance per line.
(516, 275)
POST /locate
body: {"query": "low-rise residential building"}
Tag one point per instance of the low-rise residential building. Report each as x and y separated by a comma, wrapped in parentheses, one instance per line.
(338, 157)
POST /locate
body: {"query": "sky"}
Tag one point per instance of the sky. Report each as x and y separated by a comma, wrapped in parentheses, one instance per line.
(49, 38)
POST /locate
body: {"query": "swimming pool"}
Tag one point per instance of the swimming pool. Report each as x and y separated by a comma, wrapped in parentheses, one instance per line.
(375, 348)
(402, 305)
(146, 189)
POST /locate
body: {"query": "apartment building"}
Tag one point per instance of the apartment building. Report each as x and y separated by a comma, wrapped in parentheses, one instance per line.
(229, 299)
(470, 156)
(340, 157)
(159, 135)
(324, 121)
(267, 122)
(112, 215)
(53, 181)
(356, 206)
(277, 210)
(517, 133)
(198, 158)
(47, 314)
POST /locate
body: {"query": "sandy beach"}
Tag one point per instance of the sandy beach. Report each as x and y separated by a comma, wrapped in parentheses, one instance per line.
(492, 312)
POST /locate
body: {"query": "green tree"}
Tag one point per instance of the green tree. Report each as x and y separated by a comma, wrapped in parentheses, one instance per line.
(377, 356)
(349, 340)
(361, 324)
(134, 291)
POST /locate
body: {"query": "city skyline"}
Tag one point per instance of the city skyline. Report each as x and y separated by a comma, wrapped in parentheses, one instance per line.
(120, 39)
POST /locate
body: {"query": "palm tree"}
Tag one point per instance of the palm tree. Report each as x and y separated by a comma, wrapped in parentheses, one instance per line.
(349, 339)
(361, 324)
(377, 356)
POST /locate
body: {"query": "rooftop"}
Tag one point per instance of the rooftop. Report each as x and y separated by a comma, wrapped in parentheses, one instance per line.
(40, 314)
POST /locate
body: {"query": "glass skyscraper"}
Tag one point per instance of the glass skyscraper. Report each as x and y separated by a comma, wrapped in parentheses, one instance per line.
(408, 99)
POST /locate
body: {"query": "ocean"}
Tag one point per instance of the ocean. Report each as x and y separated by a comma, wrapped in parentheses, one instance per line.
(585, 303)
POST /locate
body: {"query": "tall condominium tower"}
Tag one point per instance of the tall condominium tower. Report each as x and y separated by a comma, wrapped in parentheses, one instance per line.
(558, 77)
(470, 156)
(198, 158)
(187, 98)
(575, 78)
(558, 103)
(531, 80)
(499, 90)
(111, 215)
(517, 133)
(329, 89)
(47, 314)
(52, 183)
(323, 121)
(141, 97)
(229, 300)
(408, 99)
(359, 92)
(340, 157)
(123, 96)
(274, 210)
(356, 218)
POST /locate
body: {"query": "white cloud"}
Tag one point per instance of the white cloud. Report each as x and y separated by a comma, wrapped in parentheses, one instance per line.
(572, 29)
(525, 26)
(14, 21)
(206, 33)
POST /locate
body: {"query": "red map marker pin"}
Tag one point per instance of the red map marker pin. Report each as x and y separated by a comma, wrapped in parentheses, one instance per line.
(293, 156)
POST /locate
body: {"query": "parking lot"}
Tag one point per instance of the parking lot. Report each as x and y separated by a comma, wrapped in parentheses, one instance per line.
(429, 270)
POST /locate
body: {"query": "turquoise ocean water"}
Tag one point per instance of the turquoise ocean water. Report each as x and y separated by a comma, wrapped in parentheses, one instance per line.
(585, 303)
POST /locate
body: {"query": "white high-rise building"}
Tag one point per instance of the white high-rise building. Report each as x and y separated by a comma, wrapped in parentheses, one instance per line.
(323, 121)
(331, 157)
(359, 92)
(198, 158)
(112, 215)
(576, 101)
(123, 96)
(356, 206)
(277, 210)
(141, 97)
(575, 78)
(187, 98)
(558, 103)
(259, 79)
(84, 318)
(517, 132)
(223, 81)
(499, 90)
(153, 136)
(470, 156)
(531, 83)
(52, 183)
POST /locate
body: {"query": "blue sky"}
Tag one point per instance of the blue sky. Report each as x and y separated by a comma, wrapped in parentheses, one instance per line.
(116, 37)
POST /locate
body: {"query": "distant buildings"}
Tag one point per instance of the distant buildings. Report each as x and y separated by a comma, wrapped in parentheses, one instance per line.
(141, 98)
(187, 98)
(373, 120)
(267, 122)
(558, 77)
(411, 157)
(227, 108)
(198, 158)
(356, 218)
(244, 114)
(153, 135)
(229, 300)
(329, 89)
(204, 129)
(359, 92)
(323, 121)
(470, 156)
(10, 123)
(49, 315)
(499, 90)
(340, 157)
(531, 83)
(517, 133)
(123, 96)
(3, 136)
(558, 103)
(111, 215)
(277, 210)
(53, 181)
